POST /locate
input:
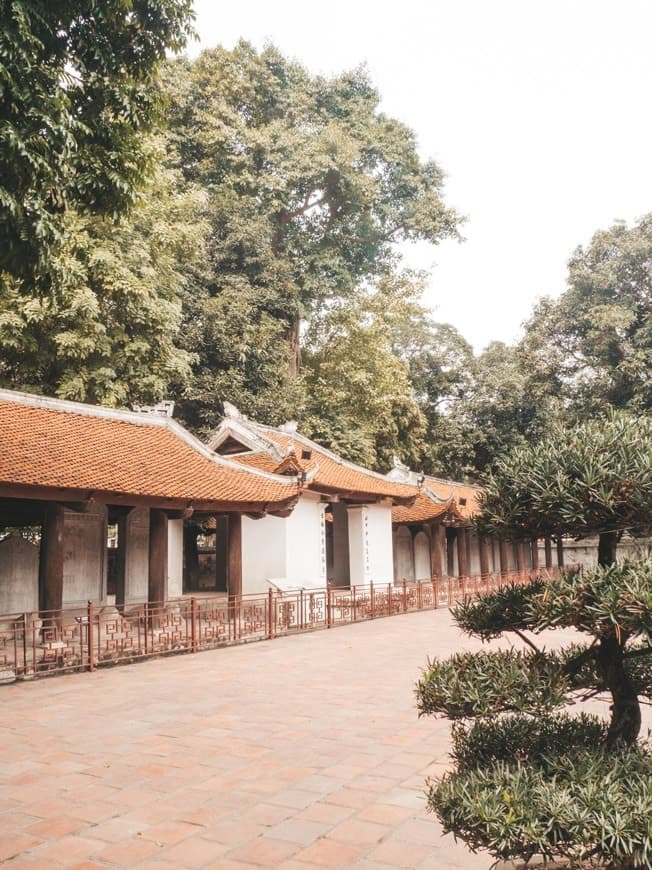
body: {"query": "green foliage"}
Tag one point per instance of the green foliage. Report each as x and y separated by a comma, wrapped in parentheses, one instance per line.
(77, 101)
(507, 608)
(525, 739)
(591, 478)
(308, 188)
(499, 403)
(594, 343)
(359, 399)
(108, 335)
(614, 599)
(575, 804)
(485, 684)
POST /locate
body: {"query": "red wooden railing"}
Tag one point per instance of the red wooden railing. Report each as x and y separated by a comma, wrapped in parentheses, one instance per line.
(53, 642)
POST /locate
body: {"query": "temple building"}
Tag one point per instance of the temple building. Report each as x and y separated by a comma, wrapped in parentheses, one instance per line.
(97, 498)
(434, 537)
(341, 530)
(106, 506)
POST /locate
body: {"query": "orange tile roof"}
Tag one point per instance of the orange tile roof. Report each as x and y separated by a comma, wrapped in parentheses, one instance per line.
(326, 471)
(423, 510)
(451, 489)
(65, 445)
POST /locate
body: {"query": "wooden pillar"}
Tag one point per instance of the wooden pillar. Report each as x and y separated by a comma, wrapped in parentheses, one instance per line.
(560, 552)
(534, 546)
(504, 557)
(221, 553)
(121, 560)
(235, 555)
(462, 560)
(520, 557)
(158, 556)
(484, 557)
(450, 552)
(437, 538)
(50, 572)
(547, 543)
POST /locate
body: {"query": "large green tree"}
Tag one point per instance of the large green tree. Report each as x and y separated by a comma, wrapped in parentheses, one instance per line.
(594, 343)
(76, 99)
(108, 335)
(529, 779)
(360, 399)
(309, 188)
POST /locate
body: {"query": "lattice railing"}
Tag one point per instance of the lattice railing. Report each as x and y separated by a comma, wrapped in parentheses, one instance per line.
(40, 644)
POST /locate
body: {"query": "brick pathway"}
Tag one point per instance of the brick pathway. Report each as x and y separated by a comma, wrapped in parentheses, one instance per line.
(302, 752)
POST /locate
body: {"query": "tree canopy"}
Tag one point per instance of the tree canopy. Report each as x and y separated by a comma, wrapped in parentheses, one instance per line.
(594, 343)
(593, 478)
(76, 100)
(109, 334)
(309, 187)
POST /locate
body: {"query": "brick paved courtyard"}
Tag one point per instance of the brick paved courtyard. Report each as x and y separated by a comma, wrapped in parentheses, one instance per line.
(302, 752)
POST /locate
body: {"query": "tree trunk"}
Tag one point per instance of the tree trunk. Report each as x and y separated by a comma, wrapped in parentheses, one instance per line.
(607, 545)
(295, 348)
(625, 710)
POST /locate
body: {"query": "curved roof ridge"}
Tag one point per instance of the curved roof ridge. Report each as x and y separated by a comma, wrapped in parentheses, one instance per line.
(48, 403)
(334, 456)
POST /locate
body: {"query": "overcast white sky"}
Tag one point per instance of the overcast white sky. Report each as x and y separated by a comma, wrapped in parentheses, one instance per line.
(539, 112)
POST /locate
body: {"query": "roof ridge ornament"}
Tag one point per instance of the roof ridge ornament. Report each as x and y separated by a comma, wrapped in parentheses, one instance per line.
(231, 411)
(289, 427)
(161, 409)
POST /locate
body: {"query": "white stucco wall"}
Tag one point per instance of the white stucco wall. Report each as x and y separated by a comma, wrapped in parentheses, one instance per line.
(263, 552)
(291, 549)
(84, 556)
(19, 561)
(305, 542)
(175, 558)
(370, 544)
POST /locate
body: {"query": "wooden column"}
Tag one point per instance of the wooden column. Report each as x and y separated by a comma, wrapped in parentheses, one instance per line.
(50, 571)
(534, 546)
(484, 557)
(438, 536)
(504, 557)
(235, 555)
(560, 552)
(462, 555)
(520, 557)
(221, 553)
(547, 543)
(450, 552)
(121, 560)
(158, 556)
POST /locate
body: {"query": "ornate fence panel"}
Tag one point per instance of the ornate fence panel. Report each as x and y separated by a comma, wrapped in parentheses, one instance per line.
(52, 642)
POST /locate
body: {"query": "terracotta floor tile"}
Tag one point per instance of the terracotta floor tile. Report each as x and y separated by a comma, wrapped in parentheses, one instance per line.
(299, 831)
(195, 852)
(399, 854)
(69, 850)
(14, 844)
(301, 752)
(59, 826)
(329, 853)
(264, 851)
(358, 831)
(385, 814)
(128, 852)
(328, 813)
